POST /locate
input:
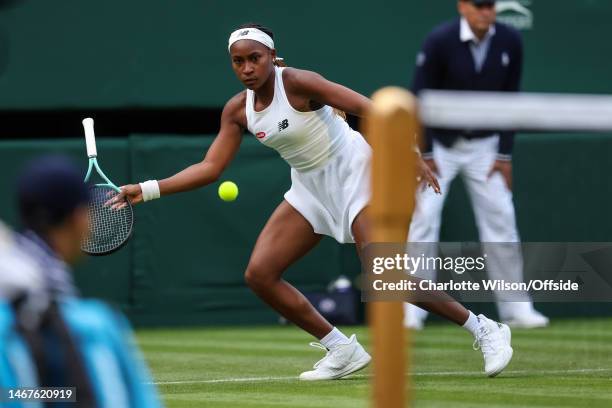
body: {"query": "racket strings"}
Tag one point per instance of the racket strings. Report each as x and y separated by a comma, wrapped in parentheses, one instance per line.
(109, 228)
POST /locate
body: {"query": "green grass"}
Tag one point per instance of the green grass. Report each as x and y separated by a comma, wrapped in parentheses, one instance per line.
(566, 365)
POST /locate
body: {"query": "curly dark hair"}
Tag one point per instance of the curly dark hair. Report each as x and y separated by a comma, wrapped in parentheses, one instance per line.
(257, 26)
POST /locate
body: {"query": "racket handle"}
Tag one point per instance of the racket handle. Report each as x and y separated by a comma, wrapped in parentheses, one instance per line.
(90, 137)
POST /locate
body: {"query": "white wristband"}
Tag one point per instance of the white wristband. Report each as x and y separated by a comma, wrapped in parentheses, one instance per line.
(150, 190)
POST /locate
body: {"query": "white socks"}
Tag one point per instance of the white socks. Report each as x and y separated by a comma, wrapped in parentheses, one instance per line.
(334, 338)
(472, 324)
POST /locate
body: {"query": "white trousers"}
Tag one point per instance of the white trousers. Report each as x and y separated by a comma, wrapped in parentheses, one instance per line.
(493, 209)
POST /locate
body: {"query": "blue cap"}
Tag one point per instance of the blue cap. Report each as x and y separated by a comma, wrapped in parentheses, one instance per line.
(480, 2)
(49, 189)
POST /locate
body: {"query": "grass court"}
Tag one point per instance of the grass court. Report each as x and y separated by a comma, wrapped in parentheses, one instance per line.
(568, 364)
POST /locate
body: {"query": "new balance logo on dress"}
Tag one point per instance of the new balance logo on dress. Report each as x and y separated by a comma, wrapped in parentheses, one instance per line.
(283, 125)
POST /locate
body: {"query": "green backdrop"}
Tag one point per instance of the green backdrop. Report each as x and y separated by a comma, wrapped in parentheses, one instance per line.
(75, 53)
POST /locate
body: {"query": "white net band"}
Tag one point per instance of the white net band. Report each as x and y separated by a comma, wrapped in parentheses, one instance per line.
(515, 111)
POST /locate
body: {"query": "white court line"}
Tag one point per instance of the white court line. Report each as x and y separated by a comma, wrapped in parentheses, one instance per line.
(419, 374)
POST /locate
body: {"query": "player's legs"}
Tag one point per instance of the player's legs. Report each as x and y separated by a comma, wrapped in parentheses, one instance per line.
(440, 304)
(492, 338)
(286, 237)
(496, 222)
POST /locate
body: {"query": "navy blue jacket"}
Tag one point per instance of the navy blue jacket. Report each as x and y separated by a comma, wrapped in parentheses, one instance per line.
(445, 62)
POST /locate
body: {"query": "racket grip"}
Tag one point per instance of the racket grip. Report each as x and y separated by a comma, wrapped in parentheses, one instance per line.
(90, 137)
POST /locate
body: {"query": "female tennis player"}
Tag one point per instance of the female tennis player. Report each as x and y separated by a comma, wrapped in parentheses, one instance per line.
(292, 111)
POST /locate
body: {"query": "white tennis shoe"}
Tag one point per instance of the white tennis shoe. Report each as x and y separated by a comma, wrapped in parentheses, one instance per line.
(414, 317)
(531, 320)
(340, 361)
(493, 339)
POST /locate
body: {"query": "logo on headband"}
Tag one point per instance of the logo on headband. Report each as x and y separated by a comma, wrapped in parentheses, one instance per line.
(243, 33)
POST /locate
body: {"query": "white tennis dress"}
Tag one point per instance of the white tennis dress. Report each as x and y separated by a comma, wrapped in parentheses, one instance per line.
(330, 162)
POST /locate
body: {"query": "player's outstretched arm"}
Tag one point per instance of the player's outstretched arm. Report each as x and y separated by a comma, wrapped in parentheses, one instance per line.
(218, 157)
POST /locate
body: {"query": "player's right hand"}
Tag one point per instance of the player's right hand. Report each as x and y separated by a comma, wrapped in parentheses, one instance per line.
(131, 192)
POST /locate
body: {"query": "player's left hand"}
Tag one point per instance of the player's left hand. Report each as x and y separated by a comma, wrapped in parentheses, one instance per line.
(427, 177)
(505, 168)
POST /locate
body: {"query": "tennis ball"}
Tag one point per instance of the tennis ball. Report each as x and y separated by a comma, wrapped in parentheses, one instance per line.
(228, 191)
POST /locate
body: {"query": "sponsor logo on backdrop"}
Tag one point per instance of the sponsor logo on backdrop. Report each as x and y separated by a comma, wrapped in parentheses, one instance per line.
(515, 13)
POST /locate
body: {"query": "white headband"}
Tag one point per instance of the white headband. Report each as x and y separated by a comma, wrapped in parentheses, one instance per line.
(251, 34)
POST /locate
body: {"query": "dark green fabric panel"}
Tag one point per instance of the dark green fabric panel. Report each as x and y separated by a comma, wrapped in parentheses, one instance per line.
(567, 196)
(191, 249)
(186, 261)
(74, 53)
(107, 277)
(560, 54)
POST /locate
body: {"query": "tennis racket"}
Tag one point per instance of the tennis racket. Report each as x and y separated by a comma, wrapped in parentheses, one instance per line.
(110, 229)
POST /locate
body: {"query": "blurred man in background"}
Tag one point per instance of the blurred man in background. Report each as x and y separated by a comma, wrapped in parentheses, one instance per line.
(474, 53)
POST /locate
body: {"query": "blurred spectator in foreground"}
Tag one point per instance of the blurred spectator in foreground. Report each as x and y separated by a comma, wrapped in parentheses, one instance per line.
(39, 306)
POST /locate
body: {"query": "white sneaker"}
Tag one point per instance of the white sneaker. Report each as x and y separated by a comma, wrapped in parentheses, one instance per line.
(340, 361)
(531, 320)
(414, 324)
(414, 317)
(493, 339)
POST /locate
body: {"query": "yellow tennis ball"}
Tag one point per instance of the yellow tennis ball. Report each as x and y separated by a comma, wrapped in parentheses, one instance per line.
(228, 191)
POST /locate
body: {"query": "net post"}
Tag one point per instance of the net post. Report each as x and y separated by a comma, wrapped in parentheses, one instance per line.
(391, 127)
